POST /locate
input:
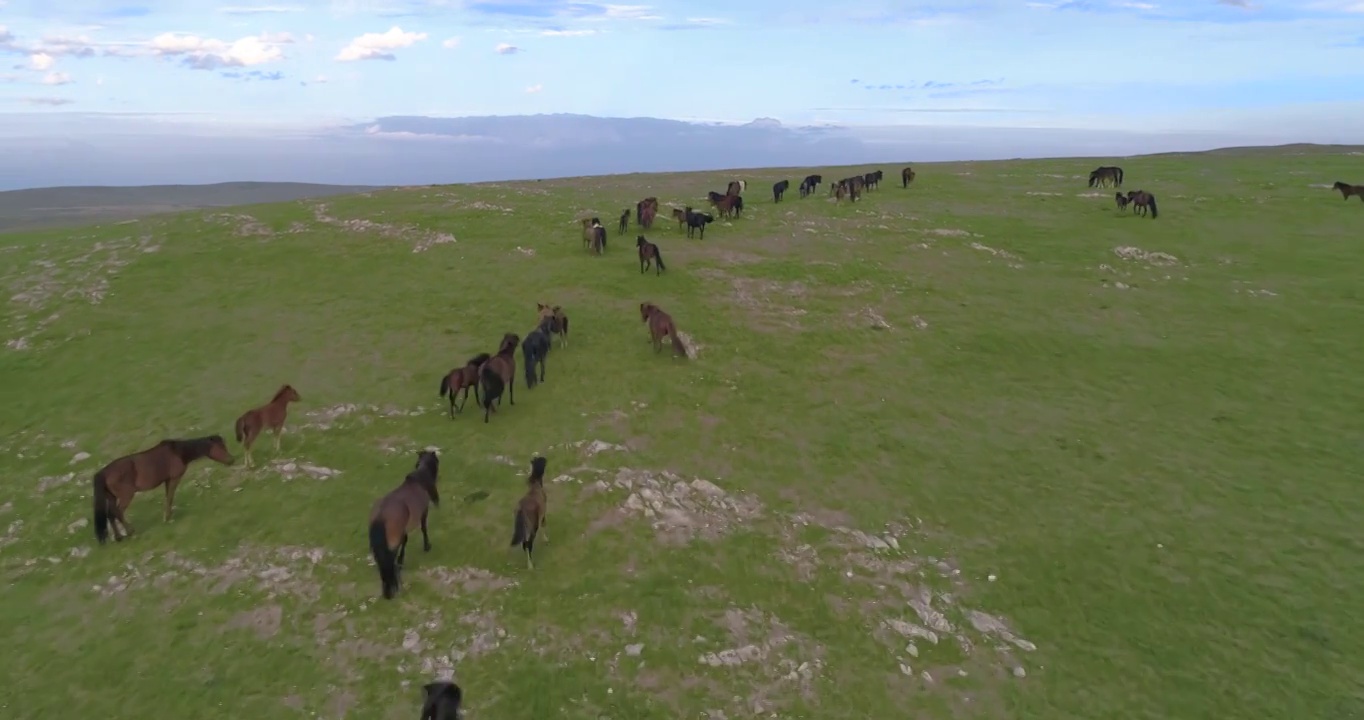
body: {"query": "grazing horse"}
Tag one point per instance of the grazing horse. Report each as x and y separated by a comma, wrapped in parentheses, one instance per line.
(812, 181)
(1121, 200)
(906, 177)
(779, 189)
(1347, 190)
(1105, 175)
(270, 415)
(649, 254)
(1141, 200)
(164, 463)
(624, 220)
(559, 321)
(680, 216)
(535, 348)
(530, 511)
(442, 701)
(697, 220)
(398, 513)
(463, 378)
(499, 373)
(660, 326)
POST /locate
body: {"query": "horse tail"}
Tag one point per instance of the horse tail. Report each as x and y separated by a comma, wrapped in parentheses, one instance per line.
(520, 533)
(492, 385)
(528, 360)
(678, 346)
(383, 557)
(101, 508)
(658, 258)
(1154, 212)
(1119, 177)
(445, 385)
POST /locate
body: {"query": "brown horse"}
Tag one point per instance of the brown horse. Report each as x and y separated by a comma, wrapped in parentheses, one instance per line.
(906, 177)
(270, 415)
(660, 326)
(463, 378)
(1141, 201)
(498, 373)
(165, 463)
(647, 217)
(589, 231)
(1347, 190)
(1122, 201)
(728, 205)
(680, 216)
(398, 513)
(559, 324)
(530, 511)
(649, 255)
(624, 220)
(639, 208)
(735, 188)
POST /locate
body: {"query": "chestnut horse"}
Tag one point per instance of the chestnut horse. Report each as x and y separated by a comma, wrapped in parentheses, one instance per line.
(498, 373)
(401, 511)
(270, 415)
(660, 326)
(463, 378)
(162, 464)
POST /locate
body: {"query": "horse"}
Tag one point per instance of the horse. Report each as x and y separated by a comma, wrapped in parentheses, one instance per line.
(813, 181)
(530, 511)
(588, 233)
(498, 373)
(680, 216)
(805, 188)
(598, 238)
(1104, 175)
(398, 513)
(535, 348)
(715, 197)
(463, 378)
(1141, 200)
(734, 188)
(1347, 190)
(840, 191)
(906, 177)
(624, 220)
(871, 179)
(727, 204)
(442, 701)
(697, 220)
(660, 326)
(270, 415)
(1121, 200)
(738, 205)
(162, 464)
(779, 189)
(559, 324)
(647, 217)
(649, 254)
(639, 208)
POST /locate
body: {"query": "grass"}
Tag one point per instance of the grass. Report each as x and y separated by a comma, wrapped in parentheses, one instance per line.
(1147, 467)
(52, 207)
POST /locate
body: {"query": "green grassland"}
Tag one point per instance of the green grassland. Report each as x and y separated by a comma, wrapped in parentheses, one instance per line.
(982, 448)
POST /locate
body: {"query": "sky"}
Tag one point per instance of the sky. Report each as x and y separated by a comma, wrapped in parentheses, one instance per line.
(1256, 70)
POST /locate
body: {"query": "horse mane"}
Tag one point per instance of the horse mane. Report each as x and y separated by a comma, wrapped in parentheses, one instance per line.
(1339, 185)
(508, 344)
(478, 359)
(537, 469)
(280, 392)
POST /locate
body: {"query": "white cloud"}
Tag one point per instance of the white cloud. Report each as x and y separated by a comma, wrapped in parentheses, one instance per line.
(630, 12)
(259, 9)
(51, 101)
(535, 88)
(208, 54)
(451, 43)
(282, 38)
(568, 33)
(56, 78)
(378, 46)
(505, 49)
(41, 61)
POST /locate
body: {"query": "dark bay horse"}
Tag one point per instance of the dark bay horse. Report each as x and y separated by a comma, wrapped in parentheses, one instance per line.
(812, 181)
(661, 325)
(1105, 175)
(735, 187)
(530, 511)
(463, 378)
(558, 321)
(1141, 201)
(499, 373)
(442, 701)
(780, 189)
(680, 216)
(639, 208)
(1347, 190)
(649, 254)
(268, 416)
(398, 513)
(906, 177)
(624, 220)
(1121, 200)
(162, 464)
(535, 348)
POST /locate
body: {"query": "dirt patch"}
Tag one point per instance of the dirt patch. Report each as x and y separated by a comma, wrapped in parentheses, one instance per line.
(467, 579)
(243, 225)
(424, 239)
(264, 622)
(681, 511)
(769, 301)
(290, 469)
(336, 415)
(278, 572)
(775, 662)
(1013, 260)
(1127, 252)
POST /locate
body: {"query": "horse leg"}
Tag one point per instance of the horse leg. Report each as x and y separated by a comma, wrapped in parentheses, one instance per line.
(402, 551)
(426, 539)
(279, 433)
(171, 484)
(511, 388)
(121, 509)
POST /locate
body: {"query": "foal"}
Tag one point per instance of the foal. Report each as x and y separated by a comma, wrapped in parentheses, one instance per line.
(530, 511)
(270, 415)
(463, 378)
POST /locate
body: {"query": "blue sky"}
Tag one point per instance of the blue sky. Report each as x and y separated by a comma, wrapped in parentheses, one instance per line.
(1164, 66)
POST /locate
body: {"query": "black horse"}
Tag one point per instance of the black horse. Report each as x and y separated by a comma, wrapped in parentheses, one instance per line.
(535, 348)
(698, 220)
(780, 189)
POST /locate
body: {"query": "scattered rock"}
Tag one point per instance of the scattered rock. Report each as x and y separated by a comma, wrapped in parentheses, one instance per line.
(78, 457)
